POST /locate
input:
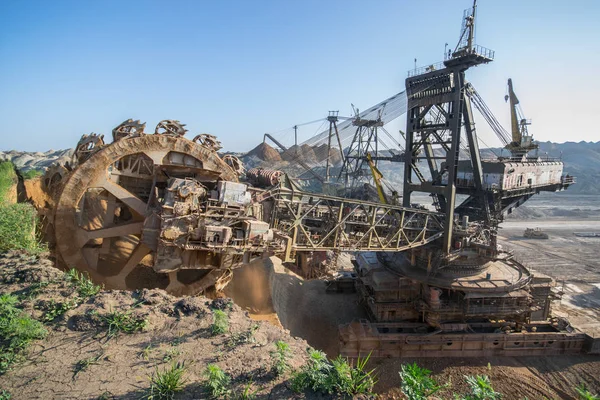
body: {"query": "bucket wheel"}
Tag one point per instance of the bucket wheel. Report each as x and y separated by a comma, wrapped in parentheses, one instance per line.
(104, 202)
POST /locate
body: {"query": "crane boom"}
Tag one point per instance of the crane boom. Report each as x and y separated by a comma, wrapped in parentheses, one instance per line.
(377, 176)
(522, 141)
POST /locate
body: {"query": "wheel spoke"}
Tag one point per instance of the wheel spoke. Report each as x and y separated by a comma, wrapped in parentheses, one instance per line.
(140, 251)
(130, 199)
(114, 231)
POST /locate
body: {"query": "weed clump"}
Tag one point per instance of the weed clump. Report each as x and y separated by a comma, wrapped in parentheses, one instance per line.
(165, 384)
(337, 376)
(83, 284)
(118, 321)
(220, 323)
(55, 309)
(217, 382)
(18, 224)
(17, 330)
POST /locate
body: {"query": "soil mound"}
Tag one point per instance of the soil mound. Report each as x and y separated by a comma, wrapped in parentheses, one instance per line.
(265, 153)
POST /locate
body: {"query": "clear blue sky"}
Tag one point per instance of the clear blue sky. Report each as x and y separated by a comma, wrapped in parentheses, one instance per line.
(237, 69)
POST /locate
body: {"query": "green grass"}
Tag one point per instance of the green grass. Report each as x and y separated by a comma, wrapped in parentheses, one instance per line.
(32, 173)
(217, 382)
(17, 331)
(248, 393)
(123, 322)
(337, 376)
(83, 284)
(585, 394)
(5, 395)
(280, 358)
(7, 179)
(18, 222)
(166, 383)
(220, 323)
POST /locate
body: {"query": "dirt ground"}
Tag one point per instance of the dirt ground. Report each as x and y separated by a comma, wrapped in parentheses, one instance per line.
(308, 312)
(573, 261)
(178, 330)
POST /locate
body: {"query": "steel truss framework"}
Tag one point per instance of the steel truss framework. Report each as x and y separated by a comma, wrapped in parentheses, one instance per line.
(318, 223)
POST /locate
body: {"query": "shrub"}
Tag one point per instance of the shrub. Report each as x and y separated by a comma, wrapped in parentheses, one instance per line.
(165, 384)
(338, 376)
(417, 384)
(217, 381)
(220, 323)
(17, 330)
(280, 358)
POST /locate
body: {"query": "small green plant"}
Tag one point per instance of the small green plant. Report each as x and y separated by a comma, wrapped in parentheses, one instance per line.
(237, 339)
(17, 330)
(33, 290)
(584, 393)
(125, 322)
(171, 354)
(248, 393)
(220, 323)
(481, 389)
(145, 354)
(314, 374)
(280, 358)
(83, 284)
(166, 383)
(5, 395)
(353, 380)
(217, 382)
(56, 309)
(84, 364)
(417, 384)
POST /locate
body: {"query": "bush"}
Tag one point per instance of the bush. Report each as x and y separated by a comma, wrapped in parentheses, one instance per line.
(417, 384)
(321, 375)
(165, 384)
(220, 323)
(217, 381)
(17, 330)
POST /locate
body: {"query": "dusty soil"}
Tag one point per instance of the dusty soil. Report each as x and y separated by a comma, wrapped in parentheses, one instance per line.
(178, 330)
